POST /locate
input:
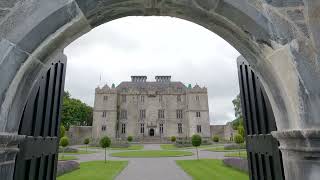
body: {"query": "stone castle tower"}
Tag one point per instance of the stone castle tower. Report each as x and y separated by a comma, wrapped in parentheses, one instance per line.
(144, 109)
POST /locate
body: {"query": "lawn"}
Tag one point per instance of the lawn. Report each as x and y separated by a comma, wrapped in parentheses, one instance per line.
(209, 169)
(243, 154)
(80, 152)
(152, 153)
(221, 149)
(67, 158)
(131, 147)
(173, 147)
(97, 170)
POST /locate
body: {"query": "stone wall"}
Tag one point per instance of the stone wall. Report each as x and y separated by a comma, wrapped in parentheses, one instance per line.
(77, 134)
(225, 132)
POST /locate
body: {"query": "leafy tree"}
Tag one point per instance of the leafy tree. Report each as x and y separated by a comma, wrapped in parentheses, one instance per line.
(104, 143)
(75, 112)
(239, 140)
(241, 131)
(215, 138)
(173, 139)
(64, 142)
(130, 138)
(238, 113)
(86, 142)
(196, 141)
(62, 131)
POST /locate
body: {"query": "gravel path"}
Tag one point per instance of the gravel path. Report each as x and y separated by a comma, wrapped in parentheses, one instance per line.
(151, 168)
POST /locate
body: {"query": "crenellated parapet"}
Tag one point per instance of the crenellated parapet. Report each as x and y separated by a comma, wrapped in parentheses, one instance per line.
(196, 89)
(106, 89)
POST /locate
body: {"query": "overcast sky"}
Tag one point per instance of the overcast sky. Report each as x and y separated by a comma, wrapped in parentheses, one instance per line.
(155, 46)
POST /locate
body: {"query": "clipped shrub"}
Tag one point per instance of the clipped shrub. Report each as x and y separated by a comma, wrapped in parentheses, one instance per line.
(104, 143)
(215, 138)
(196, 141)
(237, 163)
(64, 167)
(130, 138)
(64, 141)
(238, 139)
(173, 139)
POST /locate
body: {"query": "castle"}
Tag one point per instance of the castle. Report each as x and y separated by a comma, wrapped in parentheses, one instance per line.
(157, 109)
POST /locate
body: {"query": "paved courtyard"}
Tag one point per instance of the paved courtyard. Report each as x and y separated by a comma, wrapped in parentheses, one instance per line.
(151, 168)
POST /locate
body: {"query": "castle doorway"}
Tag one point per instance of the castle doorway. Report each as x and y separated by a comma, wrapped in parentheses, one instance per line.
(151, 132)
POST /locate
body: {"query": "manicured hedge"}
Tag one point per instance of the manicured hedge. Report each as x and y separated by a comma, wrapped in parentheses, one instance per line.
(66, 166)
(237, 163)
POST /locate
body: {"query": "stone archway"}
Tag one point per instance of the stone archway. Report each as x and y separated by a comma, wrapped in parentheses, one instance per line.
(279, 38)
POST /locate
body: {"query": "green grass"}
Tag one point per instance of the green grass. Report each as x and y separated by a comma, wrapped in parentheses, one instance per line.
(67, 158)
(80, 152)
(131, 147)
(96, 170)
(209, 169)
(152, 153)
(243, 154)
(173, 147)
(221, 149)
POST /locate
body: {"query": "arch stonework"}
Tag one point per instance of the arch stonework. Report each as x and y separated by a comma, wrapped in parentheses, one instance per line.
(279, 38)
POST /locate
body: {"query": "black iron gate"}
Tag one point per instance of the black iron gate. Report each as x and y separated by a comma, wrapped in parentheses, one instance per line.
(37, 159)
(264, 157)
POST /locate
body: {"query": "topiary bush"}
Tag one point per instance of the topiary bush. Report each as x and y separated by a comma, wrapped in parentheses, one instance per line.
(196, 141)
(173, 139)
(64, 142)
(215, 138)
(86, 142)
(129, 139)
(239, 140)
(104, 143)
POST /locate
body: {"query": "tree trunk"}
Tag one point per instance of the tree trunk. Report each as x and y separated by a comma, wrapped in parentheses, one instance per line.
(105, 155)
(197, 153)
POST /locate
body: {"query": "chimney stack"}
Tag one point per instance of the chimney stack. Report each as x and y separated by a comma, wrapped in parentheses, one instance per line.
(163, 78)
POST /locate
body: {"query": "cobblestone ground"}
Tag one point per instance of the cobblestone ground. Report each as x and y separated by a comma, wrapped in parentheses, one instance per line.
(163, 168)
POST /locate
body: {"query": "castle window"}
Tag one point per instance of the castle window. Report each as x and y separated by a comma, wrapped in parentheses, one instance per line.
(142, 128)
(104, 114)
(161, 114)
(197, 98)
(123, 98)
(142, 98)
(179, 128)
(179, 98)
(179, 114)
(160, 98)
(103, 128)
(198, 128)
(197, 114)
(123, 114)
(105, 98)
(161, 128)
(142, 114)
(123, 128)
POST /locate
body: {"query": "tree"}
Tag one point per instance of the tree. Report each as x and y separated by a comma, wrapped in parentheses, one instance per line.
(62, 131)
(75, 112)
(196, 141)
(239, 140)
(86, 142)
(173, 139)
(104, 143)
(241, 131)
(64, 142)
(215, 138)
(130, 138)
(238, 113)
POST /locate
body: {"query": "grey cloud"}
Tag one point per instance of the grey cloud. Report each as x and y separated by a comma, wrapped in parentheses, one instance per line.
(155, 46)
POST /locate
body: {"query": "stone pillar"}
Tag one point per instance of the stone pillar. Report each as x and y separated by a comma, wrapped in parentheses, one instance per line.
(301, 153)
(8, 151)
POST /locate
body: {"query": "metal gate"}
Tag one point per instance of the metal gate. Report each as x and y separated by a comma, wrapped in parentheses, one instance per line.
(264, 156)
(37, 159)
